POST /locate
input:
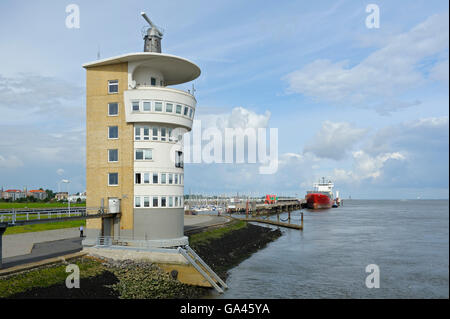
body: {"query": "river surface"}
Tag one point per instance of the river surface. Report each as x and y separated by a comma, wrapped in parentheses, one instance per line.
(407, 240)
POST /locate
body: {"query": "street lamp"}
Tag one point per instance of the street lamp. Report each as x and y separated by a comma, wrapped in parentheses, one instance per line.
(68, 198)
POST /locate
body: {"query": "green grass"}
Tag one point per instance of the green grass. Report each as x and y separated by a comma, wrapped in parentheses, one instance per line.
(40, 227)
(206, 236)
(9, 205)
(45, 226)
(45, 277)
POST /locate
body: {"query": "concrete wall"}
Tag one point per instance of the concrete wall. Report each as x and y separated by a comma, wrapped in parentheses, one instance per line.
(159, 223)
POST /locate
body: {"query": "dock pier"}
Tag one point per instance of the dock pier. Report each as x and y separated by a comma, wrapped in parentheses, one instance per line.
(254, 212)
(267, 209)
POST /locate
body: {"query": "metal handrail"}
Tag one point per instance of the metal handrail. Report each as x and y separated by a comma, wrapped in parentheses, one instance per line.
(15, 215)
(134, 242)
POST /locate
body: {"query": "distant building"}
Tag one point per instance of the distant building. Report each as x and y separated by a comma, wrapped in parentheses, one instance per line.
(38, 194)
(61, 196)
(13, 194)
(80, 196)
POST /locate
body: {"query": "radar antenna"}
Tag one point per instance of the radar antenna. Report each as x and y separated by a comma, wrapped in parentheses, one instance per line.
(153, 36)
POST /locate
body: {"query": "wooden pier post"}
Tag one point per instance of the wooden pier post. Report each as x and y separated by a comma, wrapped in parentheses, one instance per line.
(302, 219)
(289, 216)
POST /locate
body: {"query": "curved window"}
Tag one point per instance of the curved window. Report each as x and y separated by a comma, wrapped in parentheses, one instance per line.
(158, 201)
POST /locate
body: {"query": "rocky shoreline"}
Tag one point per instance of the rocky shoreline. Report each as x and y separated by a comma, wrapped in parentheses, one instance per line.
(142, 280)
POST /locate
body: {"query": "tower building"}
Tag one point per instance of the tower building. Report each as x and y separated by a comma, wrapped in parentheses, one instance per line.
(135, 122)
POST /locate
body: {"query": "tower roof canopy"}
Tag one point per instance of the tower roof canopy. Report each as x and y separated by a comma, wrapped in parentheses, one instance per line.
(175, 70)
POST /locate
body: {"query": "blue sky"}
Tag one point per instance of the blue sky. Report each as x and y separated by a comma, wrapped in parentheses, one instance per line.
(367, 108)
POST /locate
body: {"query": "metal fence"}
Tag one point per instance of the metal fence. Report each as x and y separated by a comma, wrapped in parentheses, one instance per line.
(11, 216)
(111, 241)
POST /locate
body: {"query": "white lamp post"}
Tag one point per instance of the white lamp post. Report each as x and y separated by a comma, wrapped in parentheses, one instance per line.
(68, 198)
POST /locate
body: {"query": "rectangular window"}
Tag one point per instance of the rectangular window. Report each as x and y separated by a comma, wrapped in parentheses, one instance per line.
(163, 134)
(155, 201)
(179, 159)
(143, 154)
(148, 154)
(147, 106)
(113, 155)
(113, 109)
(137, 201)
(186, 111)
(146, 201)
(153, 81)
(146, 178)
(137, 178)
(170, 201)
(155, 178)
(135, 106)
(176, 178)
(163, 178)
(146, 133)
(178, 109)
(163, 201)
(139, 155)
(113, 86)
(170, 138)
(170, 179)
(113, 132)
(169, 107)
(155, 133)
(176, 201)
(158, 106)
(113, 179)
(191, 111)
(137, 133)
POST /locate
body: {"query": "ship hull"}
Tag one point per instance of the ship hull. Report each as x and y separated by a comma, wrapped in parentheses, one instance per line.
(318, 201)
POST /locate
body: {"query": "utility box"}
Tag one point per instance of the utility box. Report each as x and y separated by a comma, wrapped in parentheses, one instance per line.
(114, 205)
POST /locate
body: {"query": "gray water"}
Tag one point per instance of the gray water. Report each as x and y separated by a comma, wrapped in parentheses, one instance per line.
(408, 240)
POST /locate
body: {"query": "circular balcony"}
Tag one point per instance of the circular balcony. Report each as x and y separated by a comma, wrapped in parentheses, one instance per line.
(159, 105)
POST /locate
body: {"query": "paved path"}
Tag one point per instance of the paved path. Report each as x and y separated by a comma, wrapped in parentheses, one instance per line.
(21, 244)
(30, 247)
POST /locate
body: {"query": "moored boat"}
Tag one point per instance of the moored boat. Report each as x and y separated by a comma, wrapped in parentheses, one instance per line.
(321, 196)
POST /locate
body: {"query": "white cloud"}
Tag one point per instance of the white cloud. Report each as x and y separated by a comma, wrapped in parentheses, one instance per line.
(381, 77)
(10, 161)
(335, 140)
(239, 117)
(366, 167)
(60, 171)
(440, 71)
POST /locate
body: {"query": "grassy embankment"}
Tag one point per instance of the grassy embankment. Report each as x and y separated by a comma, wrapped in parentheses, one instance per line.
(44, 226)
(206, 236)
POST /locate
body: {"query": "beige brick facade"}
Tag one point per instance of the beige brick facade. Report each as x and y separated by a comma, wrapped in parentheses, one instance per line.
(97, 143)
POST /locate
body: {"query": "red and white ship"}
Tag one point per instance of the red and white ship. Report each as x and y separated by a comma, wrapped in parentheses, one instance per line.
(321, 196)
